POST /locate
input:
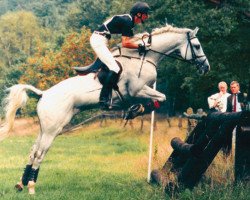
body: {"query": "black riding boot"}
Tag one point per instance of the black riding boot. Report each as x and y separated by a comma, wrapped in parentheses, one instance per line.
(109, 83)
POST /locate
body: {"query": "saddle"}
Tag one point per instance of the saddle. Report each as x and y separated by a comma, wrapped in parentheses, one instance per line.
(101, 71)
(92, 68)
(97, 67)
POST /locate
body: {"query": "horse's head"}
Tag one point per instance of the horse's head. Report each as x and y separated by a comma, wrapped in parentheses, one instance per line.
(192, 51)
(179, 43)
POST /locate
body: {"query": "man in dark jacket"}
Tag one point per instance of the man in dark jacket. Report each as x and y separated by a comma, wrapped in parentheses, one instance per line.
(236, 102)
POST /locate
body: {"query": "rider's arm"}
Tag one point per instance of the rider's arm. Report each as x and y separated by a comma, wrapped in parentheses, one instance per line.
(127, 43)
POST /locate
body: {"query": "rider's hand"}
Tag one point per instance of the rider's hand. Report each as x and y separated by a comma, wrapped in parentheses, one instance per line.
(141, 49)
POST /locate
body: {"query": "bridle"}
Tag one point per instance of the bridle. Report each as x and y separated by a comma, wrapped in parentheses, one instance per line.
(176, 55)
(194, 58)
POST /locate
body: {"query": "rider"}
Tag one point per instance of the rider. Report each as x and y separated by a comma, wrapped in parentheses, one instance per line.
(118, 24)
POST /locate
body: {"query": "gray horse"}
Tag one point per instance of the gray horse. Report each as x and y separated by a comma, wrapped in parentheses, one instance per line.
(59, 103)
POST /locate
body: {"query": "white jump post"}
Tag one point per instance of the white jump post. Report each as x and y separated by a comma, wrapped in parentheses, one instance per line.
(151, 140)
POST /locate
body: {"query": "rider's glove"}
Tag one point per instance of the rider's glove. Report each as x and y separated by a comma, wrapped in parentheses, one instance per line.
(141, 49)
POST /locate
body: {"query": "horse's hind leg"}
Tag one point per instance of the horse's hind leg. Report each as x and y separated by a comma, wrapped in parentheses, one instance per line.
(51, 126)
(43, 148)
(25, 177)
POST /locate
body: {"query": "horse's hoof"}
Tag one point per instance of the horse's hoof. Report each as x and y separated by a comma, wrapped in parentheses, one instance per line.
(31, 187)
(19, 187)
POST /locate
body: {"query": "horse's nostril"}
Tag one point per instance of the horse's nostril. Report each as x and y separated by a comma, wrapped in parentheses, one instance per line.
(203, 70)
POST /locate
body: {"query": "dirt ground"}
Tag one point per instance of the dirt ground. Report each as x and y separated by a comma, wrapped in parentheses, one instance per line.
(25, 126)
(30, 126)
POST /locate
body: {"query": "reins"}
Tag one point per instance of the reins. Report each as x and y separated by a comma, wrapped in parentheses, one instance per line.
(178, 57)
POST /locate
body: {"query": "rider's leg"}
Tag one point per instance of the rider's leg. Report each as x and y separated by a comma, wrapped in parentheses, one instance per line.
(99, 45)
(109, 83)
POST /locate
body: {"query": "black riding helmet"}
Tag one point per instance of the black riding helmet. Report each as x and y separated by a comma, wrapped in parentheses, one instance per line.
(139, 7)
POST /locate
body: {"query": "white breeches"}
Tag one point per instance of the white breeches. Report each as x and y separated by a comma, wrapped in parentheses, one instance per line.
(100, 45)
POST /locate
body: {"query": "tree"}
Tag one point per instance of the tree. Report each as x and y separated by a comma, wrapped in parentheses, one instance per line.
(19, 33)
(46, 68)
(89, 13)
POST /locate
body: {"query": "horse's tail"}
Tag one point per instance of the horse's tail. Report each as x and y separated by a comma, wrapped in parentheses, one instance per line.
(16, 99)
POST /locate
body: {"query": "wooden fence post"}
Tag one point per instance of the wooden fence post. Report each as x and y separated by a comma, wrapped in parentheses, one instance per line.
(242, 154)
(142, 123)
(180, 121)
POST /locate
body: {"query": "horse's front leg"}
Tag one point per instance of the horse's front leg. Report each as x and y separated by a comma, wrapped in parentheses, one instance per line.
(148, 92)
(141, 109)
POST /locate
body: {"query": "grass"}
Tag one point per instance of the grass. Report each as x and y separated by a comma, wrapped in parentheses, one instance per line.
(106, 163)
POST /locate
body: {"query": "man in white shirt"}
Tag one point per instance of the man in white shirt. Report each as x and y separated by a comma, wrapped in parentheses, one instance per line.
(218, 101)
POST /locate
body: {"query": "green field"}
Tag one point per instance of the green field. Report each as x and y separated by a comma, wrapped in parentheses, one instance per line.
(100, 163)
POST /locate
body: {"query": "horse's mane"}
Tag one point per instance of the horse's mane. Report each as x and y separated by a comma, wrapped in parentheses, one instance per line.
(167, 28)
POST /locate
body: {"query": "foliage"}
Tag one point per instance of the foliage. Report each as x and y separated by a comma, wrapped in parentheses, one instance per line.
(41, 40)
(90, 13)
(30, 108)
(19, 33)
(46, 68)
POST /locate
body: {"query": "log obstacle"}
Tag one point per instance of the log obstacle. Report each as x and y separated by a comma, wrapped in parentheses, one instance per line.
(242, 152)
(190, 159)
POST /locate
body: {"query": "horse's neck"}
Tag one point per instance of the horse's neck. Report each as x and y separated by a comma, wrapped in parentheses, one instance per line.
(167, 42)
(164, 43)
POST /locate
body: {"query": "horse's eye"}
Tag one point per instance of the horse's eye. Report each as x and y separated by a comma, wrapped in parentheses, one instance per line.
(197, 46)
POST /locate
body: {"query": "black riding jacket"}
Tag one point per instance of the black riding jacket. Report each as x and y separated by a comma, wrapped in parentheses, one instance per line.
(118, 24)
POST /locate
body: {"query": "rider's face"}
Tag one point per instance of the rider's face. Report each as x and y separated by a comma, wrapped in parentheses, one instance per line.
(140, 17)
(144, 17)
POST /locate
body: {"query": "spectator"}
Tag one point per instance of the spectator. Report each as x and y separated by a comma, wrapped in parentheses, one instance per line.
(218, 102)
(236, 101)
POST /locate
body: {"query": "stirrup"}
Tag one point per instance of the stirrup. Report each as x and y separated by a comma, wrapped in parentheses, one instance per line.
(105, 105)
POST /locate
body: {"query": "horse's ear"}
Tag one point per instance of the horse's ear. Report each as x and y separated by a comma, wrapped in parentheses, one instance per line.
(194, 32)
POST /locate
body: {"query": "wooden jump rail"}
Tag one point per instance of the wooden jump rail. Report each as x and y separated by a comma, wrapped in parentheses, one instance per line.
(190, 159)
